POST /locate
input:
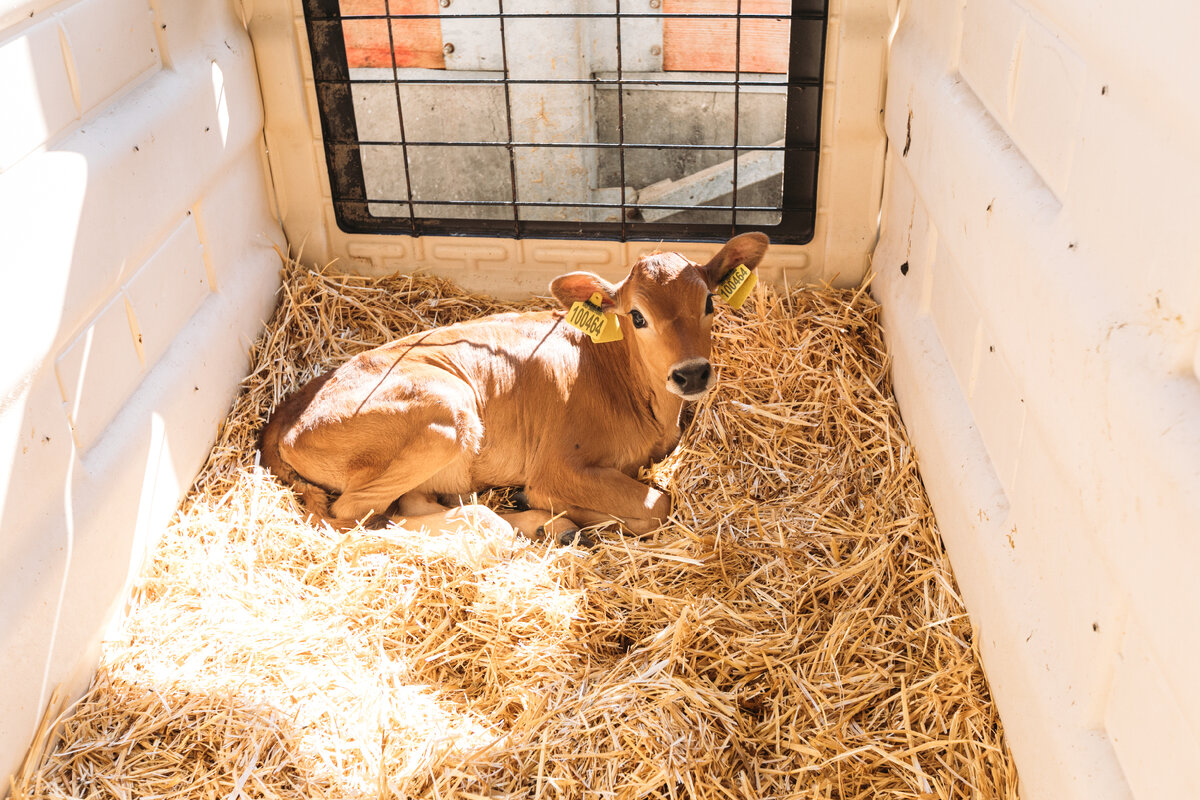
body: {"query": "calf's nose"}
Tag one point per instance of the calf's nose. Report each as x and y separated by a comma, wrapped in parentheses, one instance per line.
(692, 378)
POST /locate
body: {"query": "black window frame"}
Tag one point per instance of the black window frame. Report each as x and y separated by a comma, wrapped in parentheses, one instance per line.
(801, 147)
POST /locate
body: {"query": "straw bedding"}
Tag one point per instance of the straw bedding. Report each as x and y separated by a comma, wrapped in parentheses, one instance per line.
(795, 632)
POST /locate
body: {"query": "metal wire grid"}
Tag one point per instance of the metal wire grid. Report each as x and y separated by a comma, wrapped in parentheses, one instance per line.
(351, 201)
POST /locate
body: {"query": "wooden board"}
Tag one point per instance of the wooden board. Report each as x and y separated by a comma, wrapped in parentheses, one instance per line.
(708, 45)
(417, 42)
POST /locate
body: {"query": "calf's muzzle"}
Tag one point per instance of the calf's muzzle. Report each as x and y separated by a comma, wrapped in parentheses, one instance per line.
(691, 378)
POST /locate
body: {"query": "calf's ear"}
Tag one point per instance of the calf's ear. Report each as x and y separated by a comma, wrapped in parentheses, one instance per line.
(580, 286)
(747, 248)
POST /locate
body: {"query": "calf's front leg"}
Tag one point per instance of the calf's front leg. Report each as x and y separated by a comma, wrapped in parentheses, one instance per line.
(596, 495)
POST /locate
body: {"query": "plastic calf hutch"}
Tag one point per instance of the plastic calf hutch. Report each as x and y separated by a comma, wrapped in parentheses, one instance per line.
(1019, 176)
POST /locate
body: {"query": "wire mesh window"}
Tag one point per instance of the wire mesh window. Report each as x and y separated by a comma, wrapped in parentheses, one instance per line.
(618, 119)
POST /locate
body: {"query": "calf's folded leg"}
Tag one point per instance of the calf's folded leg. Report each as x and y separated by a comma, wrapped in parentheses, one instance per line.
(600, 494)
(374, 453)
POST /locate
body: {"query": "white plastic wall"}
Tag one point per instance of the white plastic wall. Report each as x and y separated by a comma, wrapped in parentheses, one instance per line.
(1041, 292)
(1041, 288)
(136, 241)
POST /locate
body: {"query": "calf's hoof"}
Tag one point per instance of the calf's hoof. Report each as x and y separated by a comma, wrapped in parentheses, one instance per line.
(561, 530)
(574, 538)
(376, 522)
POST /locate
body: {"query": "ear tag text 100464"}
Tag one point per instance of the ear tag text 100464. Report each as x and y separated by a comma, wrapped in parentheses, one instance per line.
(599, 325)
(737, 285)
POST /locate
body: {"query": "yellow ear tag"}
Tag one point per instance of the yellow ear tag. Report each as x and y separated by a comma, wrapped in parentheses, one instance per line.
(599, 325)
(737, 285)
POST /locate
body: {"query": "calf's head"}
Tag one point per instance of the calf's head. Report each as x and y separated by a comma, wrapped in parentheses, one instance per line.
(666, 309)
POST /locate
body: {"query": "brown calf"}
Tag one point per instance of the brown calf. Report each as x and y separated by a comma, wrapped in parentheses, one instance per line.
(514, 400)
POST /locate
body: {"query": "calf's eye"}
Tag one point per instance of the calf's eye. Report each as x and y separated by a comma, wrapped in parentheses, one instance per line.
(708, 306)
(638, 320)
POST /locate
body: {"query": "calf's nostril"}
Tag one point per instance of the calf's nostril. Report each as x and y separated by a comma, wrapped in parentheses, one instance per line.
(679, 378)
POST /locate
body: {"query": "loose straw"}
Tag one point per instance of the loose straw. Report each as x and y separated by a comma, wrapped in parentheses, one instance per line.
(794, 632)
